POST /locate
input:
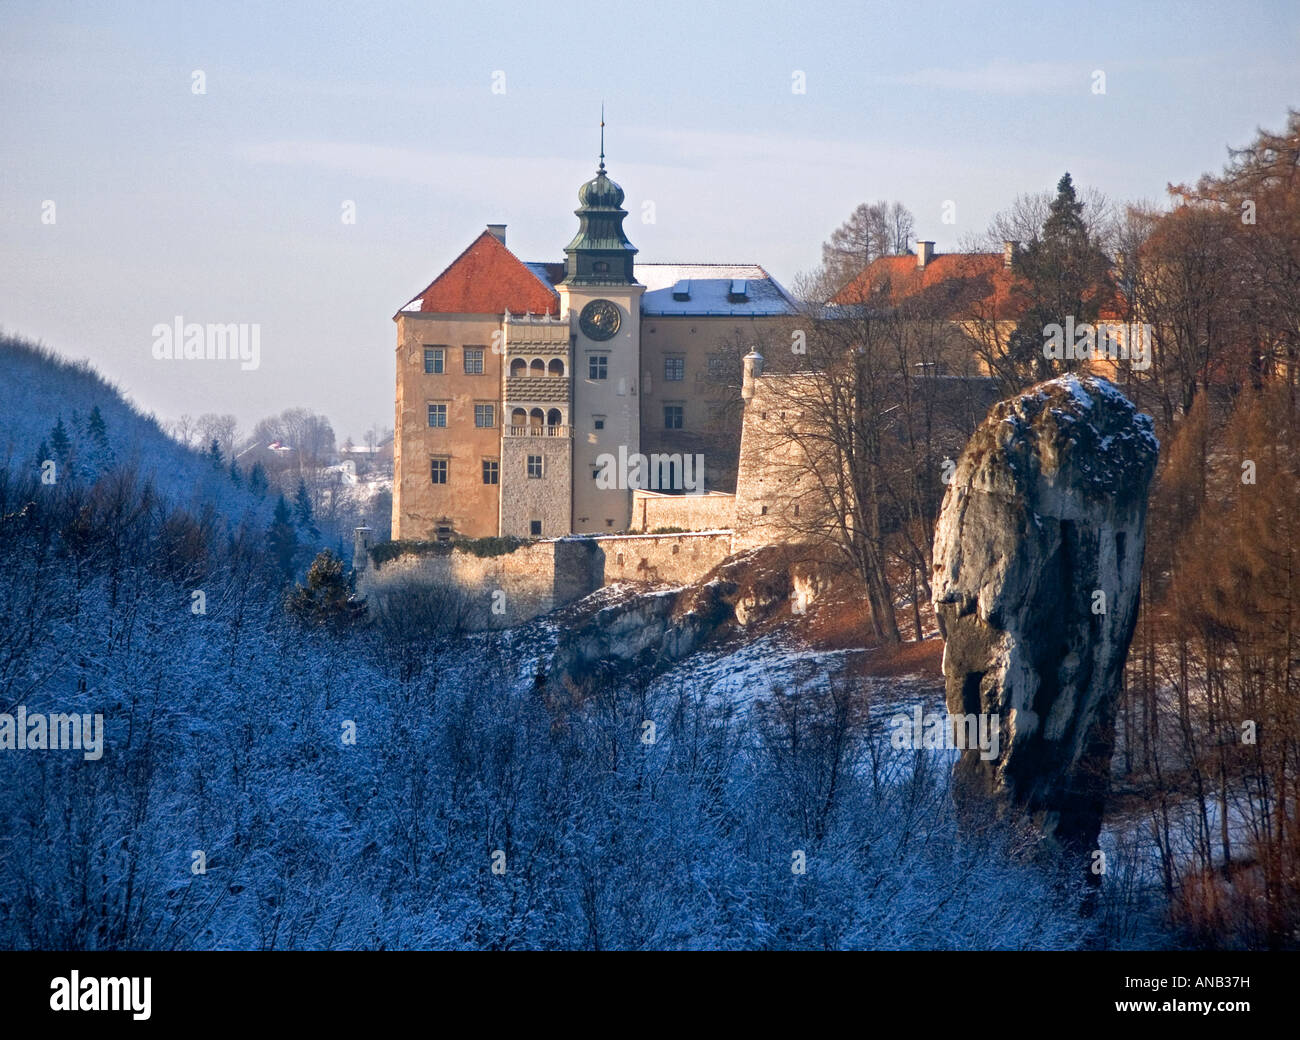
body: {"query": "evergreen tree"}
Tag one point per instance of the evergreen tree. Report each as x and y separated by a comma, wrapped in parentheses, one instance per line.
(97, 429)
(1063, 274)
(214, 453)
(236, 477)
(60, 441)
(257, 482)
(282, 539)
(1065, 217)
(302, 511)
(326, 599)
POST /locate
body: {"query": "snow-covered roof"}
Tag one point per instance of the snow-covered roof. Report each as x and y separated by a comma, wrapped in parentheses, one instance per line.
(544, 272)
(690, 289)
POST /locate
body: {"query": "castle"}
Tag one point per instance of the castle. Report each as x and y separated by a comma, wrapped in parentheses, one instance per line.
(523, 388)
(656, 409)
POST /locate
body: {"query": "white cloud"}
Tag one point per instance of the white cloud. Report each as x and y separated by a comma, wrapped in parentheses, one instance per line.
(1001, 77)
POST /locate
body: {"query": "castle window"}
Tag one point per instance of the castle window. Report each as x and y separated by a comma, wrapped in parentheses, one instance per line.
(598, 366)
(534, 527)
(438, 415)
(491, 471)
(473, 361)
(717, 366)
(763, 511)
(433, 359)
(600, 266)
(485, 416)
(438, 471)
(555, 368)
(674, 369)
(443, 533)
(673, 416)
(535, 467)
(598, 422)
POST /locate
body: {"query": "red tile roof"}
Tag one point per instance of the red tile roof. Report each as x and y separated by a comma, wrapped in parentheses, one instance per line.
(955, 286)
(487, 279)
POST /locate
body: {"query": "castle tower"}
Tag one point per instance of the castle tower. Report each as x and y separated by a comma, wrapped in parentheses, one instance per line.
(753, 362)
(536, 435)
(601, 300)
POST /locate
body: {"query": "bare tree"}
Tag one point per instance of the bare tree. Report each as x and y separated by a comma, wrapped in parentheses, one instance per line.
(872, 231)
(183, 429)
(224, 429)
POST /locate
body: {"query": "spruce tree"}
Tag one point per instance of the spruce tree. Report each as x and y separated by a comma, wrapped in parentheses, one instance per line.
(97, 428)
(257, 482)
(60, 441)
(282, 539)
(1062, 274)
(326, 598)
(302, 511)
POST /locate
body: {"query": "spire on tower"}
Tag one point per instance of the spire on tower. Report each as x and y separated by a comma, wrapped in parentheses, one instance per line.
(600, 253)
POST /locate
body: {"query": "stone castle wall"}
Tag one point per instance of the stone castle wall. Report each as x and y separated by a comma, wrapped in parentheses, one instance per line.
(480, 593)
(674, 559)
(712, 511)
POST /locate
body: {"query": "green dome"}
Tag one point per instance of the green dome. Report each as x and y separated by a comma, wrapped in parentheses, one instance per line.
(600, 253)
(600, 192)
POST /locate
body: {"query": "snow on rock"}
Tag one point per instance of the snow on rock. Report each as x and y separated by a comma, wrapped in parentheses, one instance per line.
(1038, 557)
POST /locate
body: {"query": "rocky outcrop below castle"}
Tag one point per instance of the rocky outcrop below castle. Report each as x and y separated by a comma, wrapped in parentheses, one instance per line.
(637, 630)
(1038, 559)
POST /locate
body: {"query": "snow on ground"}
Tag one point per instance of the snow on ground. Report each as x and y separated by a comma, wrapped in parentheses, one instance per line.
(771, 665)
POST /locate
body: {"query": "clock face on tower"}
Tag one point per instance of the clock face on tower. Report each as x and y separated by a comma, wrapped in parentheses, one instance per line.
(600, 319)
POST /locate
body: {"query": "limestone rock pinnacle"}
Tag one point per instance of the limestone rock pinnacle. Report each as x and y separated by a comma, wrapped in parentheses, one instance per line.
(1038, 560)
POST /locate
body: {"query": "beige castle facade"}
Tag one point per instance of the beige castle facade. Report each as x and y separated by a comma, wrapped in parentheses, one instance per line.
(524, 388)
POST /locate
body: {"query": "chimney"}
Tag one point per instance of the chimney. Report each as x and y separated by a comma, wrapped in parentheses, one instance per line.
(498, 231)
(1009, 252)
(924, 252)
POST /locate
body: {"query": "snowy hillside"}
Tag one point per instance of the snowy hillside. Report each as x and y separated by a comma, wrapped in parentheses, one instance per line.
(41, 392)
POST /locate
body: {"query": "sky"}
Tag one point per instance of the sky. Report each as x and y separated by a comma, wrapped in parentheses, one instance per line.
(228, 205)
